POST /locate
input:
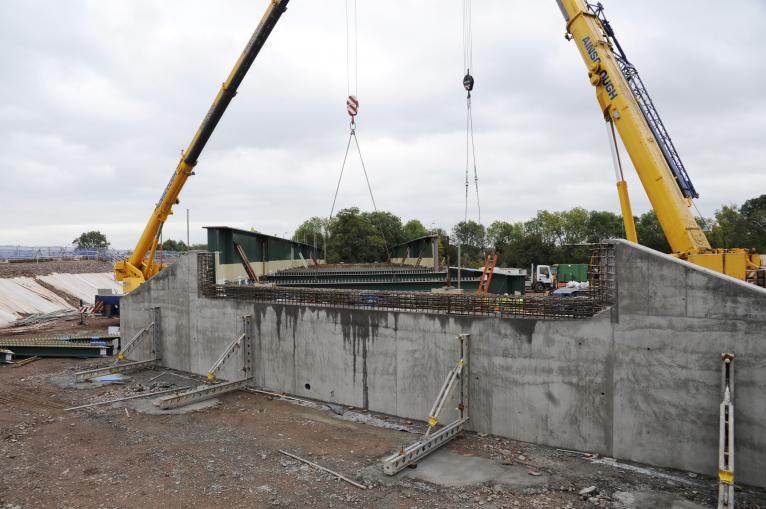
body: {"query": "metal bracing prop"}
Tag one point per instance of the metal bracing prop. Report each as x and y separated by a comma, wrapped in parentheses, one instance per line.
(432, 440)
(125, 367)
(244, 343)
(233, 347)
(141, 335)
(134, 342)
(726, 437)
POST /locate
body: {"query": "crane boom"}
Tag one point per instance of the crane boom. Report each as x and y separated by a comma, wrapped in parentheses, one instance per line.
(140, 266)
(626, 104)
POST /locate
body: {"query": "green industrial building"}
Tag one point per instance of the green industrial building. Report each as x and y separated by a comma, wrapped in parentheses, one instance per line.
(266, 254)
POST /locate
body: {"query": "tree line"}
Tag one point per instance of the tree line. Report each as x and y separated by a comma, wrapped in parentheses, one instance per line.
(548, 237)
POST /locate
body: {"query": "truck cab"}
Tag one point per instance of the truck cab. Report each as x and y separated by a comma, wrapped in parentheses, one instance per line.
(541, 278)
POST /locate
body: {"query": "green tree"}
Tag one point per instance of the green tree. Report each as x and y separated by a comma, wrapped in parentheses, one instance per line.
(413, 229)
(754, 213)
(174, 245)
(729, 228)
(574, 225)
(502, 234)
(312, 229)
(353, 239)
(387, 224)
(91, 240)
(530, 249)
(650, 232)
(549, 226)
(471, 236)
(604, 225)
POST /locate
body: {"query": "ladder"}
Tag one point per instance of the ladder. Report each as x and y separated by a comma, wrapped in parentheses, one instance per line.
(486, 276)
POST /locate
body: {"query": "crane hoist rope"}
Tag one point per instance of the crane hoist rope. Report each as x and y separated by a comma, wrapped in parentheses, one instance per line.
(352, 108)
(468, 84)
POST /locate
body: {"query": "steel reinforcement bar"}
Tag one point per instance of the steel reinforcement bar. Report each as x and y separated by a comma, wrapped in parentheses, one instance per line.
(503, 306)
(498, 306)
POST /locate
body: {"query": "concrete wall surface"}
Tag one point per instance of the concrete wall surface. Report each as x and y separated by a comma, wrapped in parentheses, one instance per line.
(640, 381)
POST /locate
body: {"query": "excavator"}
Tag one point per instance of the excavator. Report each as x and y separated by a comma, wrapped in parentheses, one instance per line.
(628, 109)
(141, 265)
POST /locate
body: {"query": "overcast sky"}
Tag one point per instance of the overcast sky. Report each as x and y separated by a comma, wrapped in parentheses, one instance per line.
(97, 100)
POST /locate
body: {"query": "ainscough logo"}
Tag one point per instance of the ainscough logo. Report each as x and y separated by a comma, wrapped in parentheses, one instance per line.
(605, 80)
(590, 49)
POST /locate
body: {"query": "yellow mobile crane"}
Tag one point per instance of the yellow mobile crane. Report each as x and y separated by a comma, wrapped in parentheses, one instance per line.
(627, 107)
(141, 265)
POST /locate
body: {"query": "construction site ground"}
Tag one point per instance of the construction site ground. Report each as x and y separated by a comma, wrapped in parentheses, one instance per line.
(41, 268)
(225, 453)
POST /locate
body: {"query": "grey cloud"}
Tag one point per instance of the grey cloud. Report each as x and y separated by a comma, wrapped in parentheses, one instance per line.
(98, 99)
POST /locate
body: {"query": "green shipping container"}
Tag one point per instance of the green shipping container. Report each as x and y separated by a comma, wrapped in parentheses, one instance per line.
(567, 272)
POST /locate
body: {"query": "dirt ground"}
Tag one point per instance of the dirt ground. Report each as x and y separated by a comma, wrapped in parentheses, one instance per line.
(32, 269)
(226, 454)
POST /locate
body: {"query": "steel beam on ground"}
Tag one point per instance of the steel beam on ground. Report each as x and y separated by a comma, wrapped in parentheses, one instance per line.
(62, 349)
(81, 376)
(422, 448)
(47, 340)
(201, 394)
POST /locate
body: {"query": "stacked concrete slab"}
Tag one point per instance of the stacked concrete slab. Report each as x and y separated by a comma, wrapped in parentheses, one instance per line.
(640, 381)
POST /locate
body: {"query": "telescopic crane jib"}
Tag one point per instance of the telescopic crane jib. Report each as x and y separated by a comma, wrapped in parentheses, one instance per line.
(626, 104)
(141, 264)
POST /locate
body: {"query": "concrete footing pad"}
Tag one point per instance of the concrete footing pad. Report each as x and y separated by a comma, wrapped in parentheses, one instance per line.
(648, 500)
(447, 468)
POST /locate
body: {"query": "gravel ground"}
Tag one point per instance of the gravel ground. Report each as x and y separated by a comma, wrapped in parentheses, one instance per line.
(227, 455)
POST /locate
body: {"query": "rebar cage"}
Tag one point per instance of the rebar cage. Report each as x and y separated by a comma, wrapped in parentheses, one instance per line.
(501, 306)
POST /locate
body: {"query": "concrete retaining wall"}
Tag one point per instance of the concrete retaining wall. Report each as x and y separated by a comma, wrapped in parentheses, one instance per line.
(640, 381)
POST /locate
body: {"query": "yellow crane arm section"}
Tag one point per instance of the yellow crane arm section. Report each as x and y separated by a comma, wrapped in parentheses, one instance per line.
(140, 266)
(618, 104)
(617, 101)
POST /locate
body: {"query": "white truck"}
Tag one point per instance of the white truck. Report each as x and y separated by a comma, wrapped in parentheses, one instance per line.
(540, 278)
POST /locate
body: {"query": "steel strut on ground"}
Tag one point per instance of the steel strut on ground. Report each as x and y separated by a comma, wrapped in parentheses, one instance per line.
(126, 367)
(201, 393)
(432, 441)
(726, 437)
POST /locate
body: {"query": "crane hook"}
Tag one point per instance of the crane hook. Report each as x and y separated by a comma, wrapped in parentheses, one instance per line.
(468, 82)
